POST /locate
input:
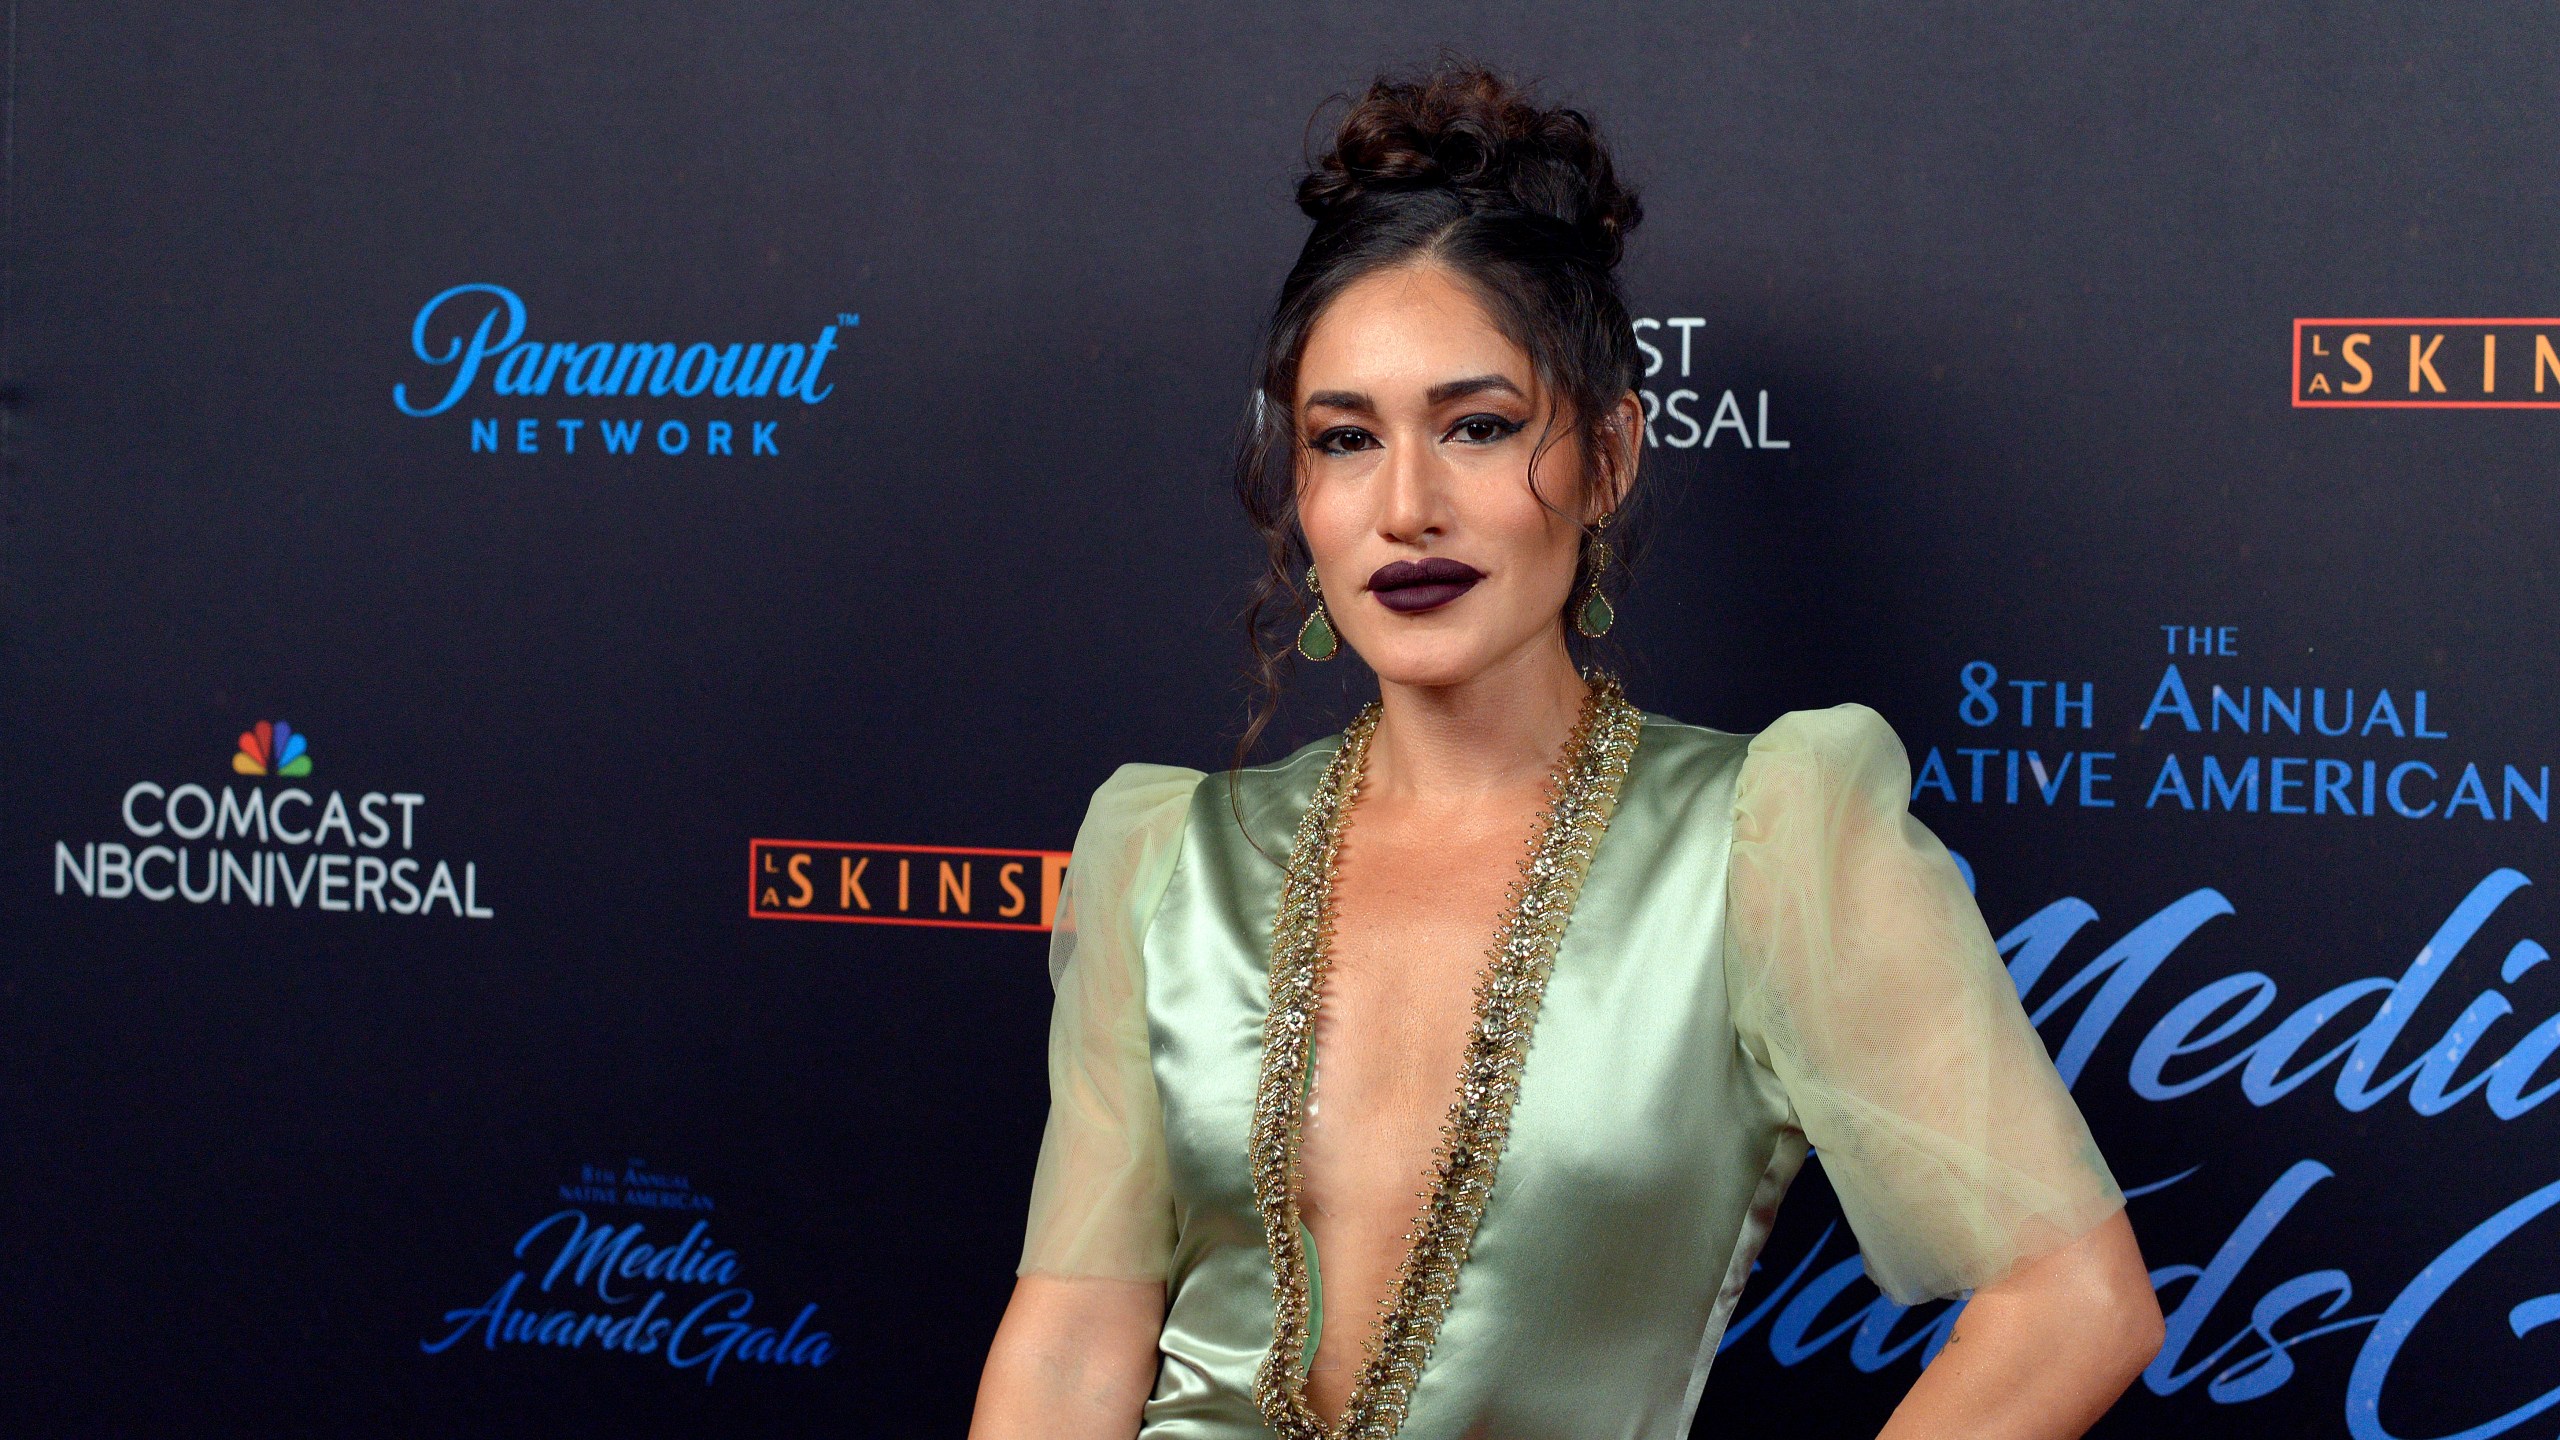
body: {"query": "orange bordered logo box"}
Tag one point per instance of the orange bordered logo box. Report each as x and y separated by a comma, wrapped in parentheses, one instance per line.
(2426, 364)
(950, 885)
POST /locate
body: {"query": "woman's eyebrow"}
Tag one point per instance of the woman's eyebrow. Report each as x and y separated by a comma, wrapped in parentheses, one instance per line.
(1440, 394)
(1447, 391)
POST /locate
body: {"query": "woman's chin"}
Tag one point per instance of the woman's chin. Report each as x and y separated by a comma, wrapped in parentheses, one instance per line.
(1429, 663)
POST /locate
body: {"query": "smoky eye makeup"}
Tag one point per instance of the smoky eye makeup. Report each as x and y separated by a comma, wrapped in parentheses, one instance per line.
(1485, 428)
(1340, 440)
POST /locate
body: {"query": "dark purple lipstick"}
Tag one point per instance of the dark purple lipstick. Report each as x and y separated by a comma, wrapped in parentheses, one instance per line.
(1409, 587)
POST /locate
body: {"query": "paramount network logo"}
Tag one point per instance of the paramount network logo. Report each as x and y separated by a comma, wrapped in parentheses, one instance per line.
(478, 331)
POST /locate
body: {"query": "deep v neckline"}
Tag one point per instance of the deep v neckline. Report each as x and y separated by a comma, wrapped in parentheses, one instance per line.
(1583, 790)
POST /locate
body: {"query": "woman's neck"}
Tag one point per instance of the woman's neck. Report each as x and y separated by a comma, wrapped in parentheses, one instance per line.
(1496, 732)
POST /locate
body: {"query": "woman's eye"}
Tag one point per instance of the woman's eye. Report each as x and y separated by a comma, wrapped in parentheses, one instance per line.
(1343, 439)
(1484, 429)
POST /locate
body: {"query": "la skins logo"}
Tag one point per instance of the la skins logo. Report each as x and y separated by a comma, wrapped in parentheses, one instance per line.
(283, 847)
(846, 881)
(2423, 364)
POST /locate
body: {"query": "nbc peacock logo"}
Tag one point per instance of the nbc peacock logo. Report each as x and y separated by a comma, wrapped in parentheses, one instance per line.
(273, 748)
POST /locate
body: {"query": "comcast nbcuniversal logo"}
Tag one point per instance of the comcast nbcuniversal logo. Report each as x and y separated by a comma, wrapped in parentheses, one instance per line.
(273, 749)
(282, 847)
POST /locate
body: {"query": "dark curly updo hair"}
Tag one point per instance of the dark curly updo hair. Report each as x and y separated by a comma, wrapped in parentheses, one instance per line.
(1458, 167)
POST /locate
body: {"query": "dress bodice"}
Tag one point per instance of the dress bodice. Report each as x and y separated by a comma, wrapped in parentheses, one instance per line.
(1766, 952)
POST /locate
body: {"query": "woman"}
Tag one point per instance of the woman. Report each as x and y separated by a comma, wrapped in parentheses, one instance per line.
(1536, 1174)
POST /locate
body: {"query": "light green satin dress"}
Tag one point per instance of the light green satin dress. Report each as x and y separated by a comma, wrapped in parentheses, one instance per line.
(1768, 952)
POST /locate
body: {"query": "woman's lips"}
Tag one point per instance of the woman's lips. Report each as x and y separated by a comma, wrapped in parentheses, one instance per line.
(1410, 587)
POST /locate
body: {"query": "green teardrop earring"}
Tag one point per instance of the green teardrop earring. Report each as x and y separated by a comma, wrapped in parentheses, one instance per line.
(1316, 639)
(1596, 616)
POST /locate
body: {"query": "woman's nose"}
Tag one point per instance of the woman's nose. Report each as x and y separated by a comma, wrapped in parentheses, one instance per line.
(1413, 494)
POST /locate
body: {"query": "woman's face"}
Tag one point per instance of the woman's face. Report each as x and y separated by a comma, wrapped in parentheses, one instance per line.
(1416, 419)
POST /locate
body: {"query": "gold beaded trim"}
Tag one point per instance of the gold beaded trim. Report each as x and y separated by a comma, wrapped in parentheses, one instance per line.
(1584, 787)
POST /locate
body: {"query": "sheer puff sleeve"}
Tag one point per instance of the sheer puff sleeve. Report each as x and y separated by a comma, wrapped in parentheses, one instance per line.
(1101, 1203)
(1863, 976)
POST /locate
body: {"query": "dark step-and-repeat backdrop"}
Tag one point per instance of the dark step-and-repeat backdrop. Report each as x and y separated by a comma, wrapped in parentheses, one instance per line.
(570, 570)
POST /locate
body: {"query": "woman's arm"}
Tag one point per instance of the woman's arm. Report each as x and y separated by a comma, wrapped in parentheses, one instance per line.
(2042, 1352)
(1074, 1360)
(1075, 1356)
(1864, 976)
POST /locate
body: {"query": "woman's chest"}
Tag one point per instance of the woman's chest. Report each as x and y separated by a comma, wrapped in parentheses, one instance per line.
(1632, 1089)
(1412, 924)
